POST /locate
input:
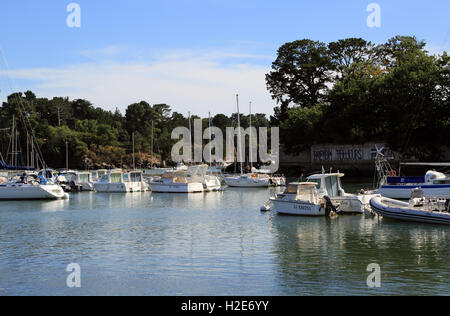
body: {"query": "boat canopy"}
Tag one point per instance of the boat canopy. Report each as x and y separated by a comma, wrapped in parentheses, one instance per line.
(330, 182)
(326, 175)
(305, 191)
(4, 166)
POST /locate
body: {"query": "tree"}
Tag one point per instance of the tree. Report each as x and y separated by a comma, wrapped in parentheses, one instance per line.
(347, 52)
(300, 74)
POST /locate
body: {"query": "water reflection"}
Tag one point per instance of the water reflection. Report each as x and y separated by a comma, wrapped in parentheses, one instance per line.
(215, 243)
(330, 256)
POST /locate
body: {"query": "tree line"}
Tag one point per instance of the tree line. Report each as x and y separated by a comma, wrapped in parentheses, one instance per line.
(353, 91)
(96, 138)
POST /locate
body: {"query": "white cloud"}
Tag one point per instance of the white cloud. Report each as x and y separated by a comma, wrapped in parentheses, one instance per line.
(187, 81)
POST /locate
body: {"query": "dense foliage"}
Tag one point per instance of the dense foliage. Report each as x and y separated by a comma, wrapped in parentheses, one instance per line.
(97, 138)
(352, 91)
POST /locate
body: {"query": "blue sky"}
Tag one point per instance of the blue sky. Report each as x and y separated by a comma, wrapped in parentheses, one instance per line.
(194, 55)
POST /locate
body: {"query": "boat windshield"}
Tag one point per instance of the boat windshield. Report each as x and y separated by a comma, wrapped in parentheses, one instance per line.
(116, 178)
(307, 194)
(291, 189)
(332, 186)
(84, 178)
(135, 177)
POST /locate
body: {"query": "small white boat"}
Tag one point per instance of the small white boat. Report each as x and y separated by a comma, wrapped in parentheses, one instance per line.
(275, 180)
(175, 182)
(329, 184)
(392, 185)
(252, 180)
(211, 183)
(302, 199)
(96, 175)
(77, 180)
(434, 184)
(117, 181)
(197, 173)
(31, 187)
(418, 209)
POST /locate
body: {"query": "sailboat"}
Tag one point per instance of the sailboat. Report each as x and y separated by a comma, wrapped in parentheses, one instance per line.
(210, 181)
(253, 180)
(28, 185)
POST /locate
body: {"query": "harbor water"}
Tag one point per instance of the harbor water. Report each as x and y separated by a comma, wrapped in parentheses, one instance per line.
(211, 244)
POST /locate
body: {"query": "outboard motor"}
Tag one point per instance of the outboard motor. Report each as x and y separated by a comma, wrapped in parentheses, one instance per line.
(447, 205)
(329, 206)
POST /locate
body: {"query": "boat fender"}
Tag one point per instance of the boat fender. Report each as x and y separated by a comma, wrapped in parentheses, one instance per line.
(447, 205)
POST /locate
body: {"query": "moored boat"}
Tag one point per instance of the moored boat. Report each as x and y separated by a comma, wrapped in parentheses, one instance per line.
(329, 184)
(418, 209)
(117, 181)
(31, 187)
(252, 180)
(175, 182)
(302, 199)
(434, 184)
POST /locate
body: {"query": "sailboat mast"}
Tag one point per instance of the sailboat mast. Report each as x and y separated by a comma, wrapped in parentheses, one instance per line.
(210, 138)
(190, 134)
(152, 136)
(12, 141)
(67, 155)
(250, 138)
(239, 134)
(134, 160)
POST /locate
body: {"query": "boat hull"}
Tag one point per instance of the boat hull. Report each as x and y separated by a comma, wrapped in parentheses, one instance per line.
(353, 204)
(297, 208)
(176, 188)
(31, 192)
(247, 183)
(125, 187)
(401, 211)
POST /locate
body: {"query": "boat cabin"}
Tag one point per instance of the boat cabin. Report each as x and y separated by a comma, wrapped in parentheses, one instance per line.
(304, 191)
(328, 184)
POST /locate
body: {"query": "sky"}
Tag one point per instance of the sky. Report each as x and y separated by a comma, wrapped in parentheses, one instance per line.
(194, 55)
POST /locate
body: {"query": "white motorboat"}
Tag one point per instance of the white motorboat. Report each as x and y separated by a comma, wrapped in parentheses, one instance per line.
(329, 184)
(175, 182)
(434, 184)
(197, 173)
(117, 181)
(76, 181)
(302, 199)
(96, 175)
(418, 209)
(275, 180)
(252, 180)
(31, 187)
(211, 183)
(391, 185)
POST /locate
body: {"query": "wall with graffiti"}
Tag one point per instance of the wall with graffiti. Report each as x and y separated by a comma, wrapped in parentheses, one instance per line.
(347, 153)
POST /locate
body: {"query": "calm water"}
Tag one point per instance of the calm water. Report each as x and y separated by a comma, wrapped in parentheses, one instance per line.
(212, 244)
